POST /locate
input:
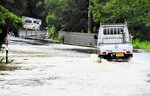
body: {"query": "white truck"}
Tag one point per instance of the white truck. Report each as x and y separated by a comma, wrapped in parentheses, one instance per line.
(114, 42)
(30, 23)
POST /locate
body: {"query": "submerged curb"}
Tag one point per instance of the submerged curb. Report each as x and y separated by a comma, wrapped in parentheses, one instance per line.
(43, 40)
(55, 41)
(140, 50)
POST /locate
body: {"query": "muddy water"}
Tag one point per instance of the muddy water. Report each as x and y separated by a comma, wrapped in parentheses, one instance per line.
(58, 70)
(4, 67)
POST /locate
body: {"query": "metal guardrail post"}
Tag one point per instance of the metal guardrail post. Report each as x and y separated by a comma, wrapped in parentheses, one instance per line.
(26, 32)
(31, 32)
(36, 33)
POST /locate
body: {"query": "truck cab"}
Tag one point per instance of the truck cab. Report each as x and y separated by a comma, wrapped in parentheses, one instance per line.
(114, 42)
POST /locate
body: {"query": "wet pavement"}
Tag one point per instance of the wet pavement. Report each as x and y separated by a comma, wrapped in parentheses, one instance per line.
(67, 70)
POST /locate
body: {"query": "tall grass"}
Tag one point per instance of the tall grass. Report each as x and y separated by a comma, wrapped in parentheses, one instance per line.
(141, 44)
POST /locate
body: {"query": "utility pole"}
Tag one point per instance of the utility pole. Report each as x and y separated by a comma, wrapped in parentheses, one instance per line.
(89, 18)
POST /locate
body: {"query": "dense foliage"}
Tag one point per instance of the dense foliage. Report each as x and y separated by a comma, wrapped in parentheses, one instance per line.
(8, 20)
(72, 15)
(31, 8)
(68, 15)
(141, 44)
(135, 12)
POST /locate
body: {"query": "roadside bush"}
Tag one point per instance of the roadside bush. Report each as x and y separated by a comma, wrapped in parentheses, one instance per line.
(52, 31)
(8, 21)
(141, 44)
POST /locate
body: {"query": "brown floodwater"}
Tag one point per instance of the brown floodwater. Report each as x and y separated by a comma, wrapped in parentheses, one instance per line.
(5, 67)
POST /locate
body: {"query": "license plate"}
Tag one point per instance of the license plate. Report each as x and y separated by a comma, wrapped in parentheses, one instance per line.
(119, 54)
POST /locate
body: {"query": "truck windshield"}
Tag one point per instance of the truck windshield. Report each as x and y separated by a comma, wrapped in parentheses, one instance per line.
(28, 21)
(36, 22)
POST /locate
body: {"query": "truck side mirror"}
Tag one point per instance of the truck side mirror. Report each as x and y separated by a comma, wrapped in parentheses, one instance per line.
(95, 37)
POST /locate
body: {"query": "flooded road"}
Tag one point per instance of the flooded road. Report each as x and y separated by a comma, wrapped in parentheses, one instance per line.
(60, 70)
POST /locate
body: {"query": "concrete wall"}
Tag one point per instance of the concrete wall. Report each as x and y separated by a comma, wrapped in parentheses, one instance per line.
(76, 38)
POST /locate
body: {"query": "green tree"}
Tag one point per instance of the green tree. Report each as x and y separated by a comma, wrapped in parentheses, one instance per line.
(135, 12)
(55, 10)
(8, 20)
(30, 8)
(52, 24)
(53, 19)
(76, 17)
(71, 14)
(18, 7)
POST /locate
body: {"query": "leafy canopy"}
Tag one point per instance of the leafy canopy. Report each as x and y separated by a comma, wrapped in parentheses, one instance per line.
(135, 12)
(69, 15)
(8, 19)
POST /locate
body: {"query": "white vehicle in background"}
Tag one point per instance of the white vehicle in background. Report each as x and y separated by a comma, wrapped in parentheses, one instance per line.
(31, 23)
(114, 42)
